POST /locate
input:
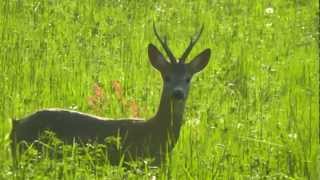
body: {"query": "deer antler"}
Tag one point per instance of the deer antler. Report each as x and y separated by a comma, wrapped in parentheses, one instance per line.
(193, 41)
(164, 45)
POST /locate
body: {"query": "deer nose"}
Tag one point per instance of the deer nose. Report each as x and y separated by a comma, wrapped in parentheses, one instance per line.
(178, 94)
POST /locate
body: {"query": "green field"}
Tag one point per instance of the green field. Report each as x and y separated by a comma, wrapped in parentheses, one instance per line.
(251, 114)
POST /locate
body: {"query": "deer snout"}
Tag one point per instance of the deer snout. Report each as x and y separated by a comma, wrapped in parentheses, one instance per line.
(178, 94)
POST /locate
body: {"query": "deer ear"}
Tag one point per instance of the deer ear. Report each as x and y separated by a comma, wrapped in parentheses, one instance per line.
(200, 61)
(156, 58)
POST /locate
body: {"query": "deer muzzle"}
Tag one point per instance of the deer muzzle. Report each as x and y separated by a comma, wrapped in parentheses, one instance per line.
(178, 94)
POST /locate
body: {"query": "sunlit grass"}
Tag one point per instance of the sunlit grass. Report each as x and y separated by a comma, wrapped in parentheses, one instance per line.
(253, 112)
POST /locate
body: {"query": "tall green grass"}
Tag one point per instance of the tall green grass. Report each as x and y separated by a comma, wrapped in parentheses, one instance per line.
(252, 114)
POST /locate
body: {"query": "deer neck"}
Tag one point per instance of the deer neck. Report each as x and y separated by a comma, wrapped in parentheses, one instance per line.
(169, 117)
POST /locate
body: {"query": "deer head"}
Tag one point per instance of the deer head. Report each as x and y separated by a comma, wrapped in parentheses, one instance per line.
(177, 74)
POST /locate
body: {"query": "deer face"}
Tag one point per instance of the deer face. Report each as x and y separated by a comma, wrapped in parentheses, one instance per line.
(177, 75)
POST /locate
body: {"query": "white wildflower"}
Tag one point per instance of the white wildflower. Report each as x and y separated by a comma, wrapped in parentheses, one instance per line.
(269, 10)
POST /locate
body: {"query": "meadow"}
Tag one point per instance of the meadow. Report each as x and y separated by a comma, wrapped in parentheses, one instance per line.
(253, 113)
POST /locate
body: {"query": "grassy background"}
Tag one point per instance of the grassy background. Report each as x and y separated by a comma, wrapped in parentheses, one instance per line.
(253, 112)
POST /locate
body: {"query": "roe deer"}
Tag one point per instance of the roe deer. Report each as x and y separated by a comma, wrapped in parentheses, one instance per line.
(153, 138)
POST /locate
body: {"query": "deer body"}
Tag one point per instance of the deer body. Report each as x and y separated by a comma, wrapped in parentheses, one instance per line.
(138, 139)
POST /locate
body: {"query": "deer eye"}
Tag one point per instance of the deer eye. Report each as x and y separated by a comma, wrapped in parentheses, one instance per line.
(167, 78)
